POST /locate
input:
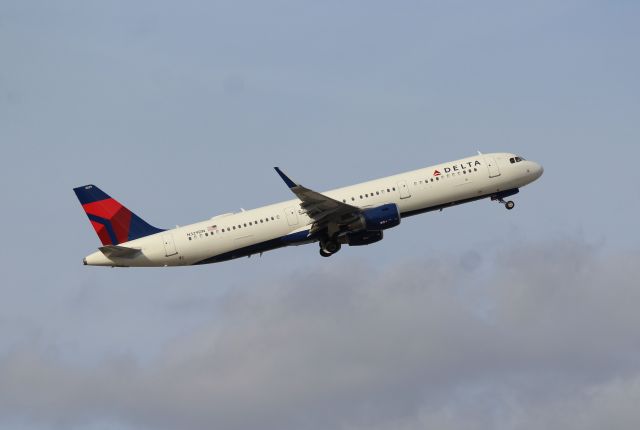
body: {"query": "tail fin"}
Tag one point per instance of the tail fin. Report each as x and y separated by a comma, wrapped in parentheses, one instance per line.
(113, 222)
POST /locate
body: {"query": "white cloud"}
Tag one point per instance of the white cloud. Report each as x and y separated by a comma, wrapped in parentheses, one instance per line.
(541, 336)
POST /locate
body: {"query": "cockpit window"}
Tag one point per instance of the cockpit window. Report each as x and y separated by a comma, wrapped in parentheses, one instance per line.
(512, 160)
(516, 159)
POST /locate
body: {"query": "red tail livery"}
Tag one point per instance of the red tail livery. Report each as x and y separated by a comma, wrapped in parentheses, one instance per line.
(113, 222)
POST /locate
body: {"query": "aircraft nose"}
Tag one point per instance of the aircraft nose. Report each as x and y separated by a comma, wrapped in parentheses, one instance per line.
(537, 170)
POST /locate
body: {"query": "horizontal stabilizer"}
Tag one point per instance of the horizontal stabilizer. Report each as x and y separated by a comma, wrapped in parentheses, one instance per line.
(118, 251)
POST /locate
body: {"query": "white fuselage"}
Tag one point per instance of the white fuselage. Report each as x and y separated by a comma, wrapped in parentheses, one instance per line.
(229, 236)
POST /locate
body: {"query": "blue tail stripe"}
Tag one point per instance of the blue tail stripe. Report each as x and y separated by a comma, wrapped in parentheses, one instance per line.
(108, 226)
(89, 194)
(140, 228)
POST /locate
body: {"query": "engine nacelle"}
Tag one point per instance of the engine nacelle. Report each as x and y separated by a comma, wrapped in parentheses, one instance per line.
(380, 218)
(363, 238)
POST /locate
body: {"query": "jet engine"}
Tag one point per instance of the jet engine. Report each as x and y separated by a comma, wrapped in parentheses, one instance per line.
(378, 218)
(363, 238)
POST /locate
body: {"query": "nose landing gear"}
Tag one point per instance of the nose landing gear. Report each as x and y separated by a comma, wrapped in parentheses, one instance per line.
(501, 196)
(509, 204)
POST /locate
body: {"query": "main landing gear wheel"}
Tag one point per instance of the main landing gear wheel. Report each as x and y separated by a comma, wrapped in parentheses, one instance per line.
(329, 248)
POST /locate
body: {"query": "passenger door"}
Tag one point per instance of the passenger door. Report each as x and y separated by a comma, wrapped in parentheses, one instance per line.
(492, 165)
(169, 245)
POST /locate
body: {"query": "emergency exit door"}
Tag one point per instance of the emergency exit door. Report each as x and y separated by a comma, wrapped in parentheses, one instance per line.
(292, 215)
(404, 190)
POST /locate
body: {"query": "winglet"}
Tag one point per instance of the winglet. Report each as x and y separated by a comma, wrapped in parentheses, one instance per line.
(285, 178)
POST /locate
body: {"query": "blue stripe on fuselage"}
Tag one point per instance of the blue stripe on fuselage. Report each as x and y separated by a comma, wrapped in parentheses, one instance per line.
(297, 238)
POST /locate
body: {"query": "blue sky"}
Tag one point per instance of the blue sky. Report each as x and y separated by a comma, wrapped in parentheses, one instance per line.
(181, 109)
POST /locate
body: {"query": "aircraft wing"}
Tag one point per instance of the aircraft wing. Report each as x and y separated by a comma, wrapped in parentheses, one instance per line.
(325, 211)
(118, 251)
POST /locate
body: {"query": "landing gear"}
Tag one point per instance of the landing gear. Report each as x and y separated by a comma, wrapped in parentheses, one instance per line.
(329, 247)
(509, 205)
(502, 195)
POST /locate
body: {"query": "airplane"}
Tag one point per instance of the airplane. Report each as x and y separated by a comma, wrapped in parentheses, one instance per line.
(355, 215)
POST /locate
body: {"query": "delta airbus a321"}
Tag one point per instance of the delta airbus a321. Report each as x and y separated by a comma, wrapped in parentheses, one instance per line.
(354, 215)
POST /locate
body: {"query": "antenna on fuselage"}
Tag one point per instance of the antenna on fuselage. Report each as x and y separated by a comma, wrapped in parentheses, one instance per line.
(479, 153)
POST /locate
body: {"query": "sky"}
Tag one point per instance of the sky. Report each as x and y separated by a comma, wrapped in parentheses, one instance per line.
(472, 318)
